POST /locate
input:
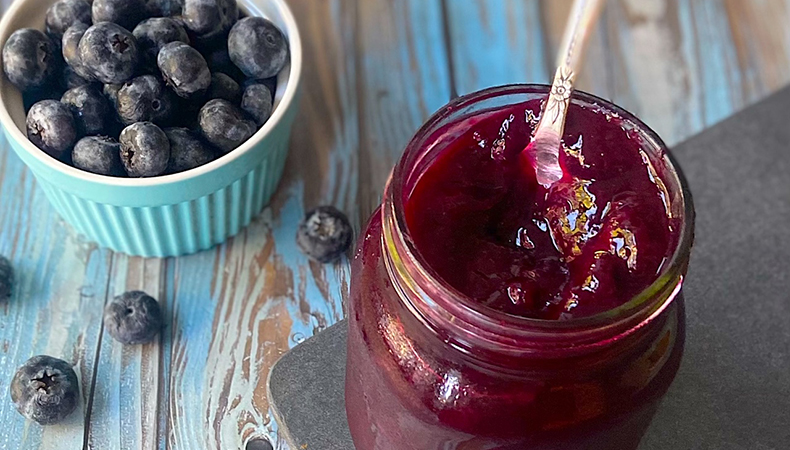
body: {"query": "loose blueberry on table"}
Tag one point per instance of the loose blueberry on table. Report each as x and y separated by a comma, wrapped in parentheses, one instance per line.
(133, 318)
(325, 234)
(45, 389)
(109, 64)
(6, 278)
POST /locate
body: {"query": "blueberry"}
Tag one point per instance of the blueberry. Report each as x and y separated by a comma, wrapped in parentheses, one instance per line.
(209, 18)
(109, 52)
(225, 87)
(6, 278)
(29, 59)
(145, 150)
(65, 13)
(45, 389)
(270, 83)
(90, 107)
(145, 98)
(51, 127)
(133, 318)
(258, 47)
(325, 234)
(98, 154)
(219, 61)
(224, 125)
(71, 79)
(70, 45)
(163, 8)
(184, 69)
(187, 150)
(257, 102)
(126, 13)
(153, 34)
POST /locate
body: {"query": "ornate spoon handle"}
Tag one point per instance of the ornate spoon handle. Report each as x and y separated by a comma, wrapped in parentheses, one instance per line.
(546, 141)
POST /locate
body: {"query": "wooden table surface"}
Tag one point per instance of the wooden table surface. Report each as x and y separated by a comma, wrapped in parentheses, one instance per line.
(375, 70)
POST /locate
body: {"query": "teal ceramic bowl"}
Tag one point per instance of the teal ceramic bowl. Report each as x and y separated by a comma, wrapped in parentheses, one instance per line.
(174, 214)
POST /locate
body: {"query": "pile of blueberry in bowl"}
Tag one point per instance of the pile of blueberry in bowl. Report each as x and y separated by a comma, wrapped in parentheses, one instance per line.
(154, 127)
(145, 88)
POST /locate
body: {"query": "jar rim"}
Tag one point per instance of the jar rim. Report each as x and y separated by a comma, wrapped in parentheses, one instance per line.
(447, 301)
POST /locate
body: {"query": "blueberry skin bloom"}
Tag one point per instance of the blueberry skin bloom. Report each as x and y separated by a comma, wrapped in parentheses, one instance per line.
(90, 107)
(45, 389)
(6, 278)
(257, 47)
(225, 87)
(98, 154)
(153, 34)
(257, 102)
(133, 318)
(109, 52)
(224, 125)
(184, 69)
(126, 13)
(71, 79)
(325, 234)
(163, 8)
(70, 45)
(65, 13)
(209, 18)
(29, 60)
(187, 150)
(145, 98)
(51, 127)
(219, 61)
(145, 150)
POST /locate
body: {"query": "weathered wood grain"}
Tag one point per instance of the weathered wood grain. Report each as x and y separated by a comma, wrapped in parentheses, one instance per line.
(403, 78)
(683, 65)
(761, 37)
(236, 309)
(375, 70)
(497, 42)
(129, 379)
(56, 307)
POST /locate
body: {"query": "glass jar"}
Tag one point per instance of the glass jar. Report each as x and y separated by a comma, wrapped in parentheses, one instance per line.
(430, 369)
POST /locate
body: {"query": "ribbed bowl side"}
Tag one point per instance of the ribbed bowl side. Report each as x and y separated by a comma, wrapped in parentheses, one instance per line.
(179, 229)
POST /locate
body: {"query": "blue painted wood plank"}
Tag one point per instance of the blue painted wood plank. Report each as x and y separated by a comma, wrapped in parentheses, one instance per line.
(56, 307)
(405, 77)
(234, 310)
(126, 402)
(376, 69)
(496, 42)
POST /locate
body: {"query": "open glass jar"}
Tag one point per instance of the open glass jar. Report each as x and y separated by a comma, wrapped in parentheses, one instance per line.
(431, 369)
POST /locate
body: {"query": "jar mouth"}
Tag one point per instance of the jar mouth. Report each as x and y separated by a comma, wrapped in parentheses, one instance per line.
(446, 301)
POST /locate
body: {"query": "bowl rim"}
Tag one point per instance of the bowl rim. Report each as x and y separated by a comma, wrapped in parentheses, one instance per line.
(281, 109)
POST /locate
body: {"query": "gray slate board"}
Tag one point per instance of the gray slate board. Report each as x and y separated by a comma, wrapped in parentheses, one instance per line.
(733, 389)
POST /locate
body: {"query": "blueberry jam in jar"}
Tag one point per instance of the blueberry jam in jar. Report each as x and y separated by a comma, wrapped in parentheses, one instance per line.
(490, 312)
